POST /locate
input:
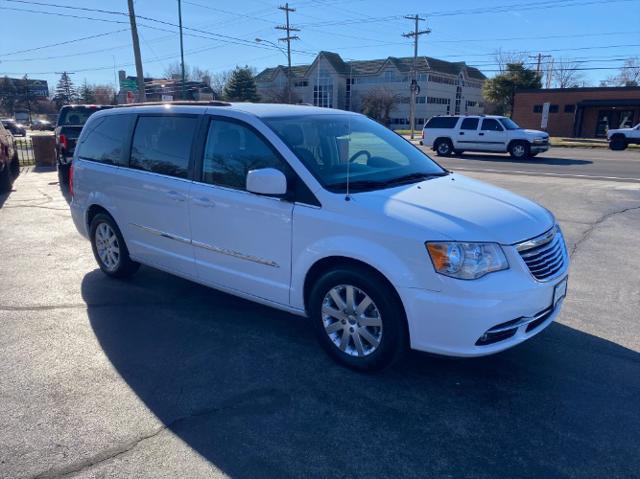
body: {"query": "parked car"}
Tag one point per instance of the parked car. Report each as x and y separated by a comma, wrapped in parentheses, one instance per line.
(70, 122)
(15, 128)
(621, 138)
(42, 125)
(9, 165)
(322, 213)
(449, 135)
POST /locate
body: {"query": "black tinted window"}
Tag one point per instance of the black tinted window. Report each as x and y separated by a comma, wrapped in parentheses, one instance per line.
(162, 144)
(104, 139)
(77, 115)
(469, 124)
(553, 108)
(489, 124)
(232, 150)
(442, 122)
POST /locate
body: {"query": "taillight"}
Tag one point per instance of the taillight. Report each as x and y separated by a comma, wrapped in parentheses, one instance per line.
(63, 141)
(71, 180)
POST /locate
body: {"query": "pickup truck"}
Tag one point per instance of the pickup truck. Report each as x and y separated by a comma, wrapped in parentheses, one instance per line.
(620, 138)
(9, 165)
(71, 119)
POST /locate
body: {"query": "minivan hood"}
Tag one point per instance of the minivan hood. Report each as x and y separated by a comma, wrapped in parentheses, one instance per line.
(462, 209)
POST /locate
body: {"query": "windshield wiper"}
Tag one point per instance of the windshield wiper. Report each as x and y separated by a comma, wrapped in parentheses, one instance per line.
(414, 178)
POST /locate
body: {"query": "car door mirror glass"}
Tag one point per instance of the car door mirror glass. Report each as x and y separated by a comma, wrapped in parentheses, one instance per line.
(267, 181)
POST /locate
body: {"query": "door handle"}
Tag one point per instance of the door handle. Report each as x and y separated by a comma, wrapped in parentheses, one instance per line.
(481, 134)
(461, 133)
(204, 201)
(175, 196)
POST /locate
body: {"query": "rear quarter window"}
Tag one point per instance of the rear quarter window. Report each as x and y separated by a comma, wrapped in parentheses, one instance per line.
(442, 122)
(105, 138)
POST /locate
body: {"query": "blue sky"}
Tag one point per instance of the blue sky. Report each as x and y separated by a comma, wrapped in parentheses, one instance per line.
(597, 33)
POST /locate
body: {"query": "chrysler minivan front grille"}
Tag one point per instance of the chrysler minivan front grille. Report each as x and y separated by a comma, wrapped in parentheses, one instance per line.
(544, 255)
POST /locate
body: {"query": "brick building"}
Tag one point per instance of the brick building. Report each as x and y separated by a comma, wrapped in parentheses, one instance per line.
(578, 112)
(445, 87)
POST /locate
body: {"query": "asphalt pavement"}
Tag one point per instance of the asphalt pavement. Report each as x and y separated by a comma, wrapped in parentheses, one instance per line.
(586, 163)
(158, 377)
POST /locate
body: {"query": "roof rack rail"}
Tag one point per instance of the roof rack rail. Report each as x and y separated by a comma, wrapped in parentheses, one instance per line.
(177, 102)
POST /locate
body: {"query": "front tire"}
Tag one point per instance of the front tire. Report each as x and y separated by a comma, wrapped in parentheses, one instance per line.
(109, 248)
(15, 166)
(6, 180)
(519, 150)
(443, 147)
(618, 144)
(358, 321)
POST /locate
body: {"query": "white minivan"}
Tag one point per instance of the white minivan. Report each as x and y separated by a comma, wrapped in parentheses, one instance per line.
(322, 213)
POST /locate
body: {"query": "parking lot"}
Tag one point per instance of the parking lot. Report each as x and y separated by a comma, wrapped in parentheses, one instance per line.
(159, 377)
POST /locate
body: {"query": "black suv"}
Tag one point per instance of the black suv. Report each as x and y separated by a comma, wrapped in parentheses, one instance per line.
(71, 119)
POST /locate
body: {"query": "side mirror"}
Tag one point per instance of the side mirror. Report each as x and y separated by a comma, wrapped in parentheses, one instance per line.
(267, 181)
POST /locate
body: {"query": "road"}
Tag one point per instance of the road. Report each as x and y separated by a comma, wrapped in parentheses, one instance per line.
(158, 377)
(588, 163)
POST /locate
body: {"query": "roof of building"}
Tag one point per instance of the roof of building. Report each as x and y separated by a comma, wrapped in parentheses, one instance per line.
(372, 67)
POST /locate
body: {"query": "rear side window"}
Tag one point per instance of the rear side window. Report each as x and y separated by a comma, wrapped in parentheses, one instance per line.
(104, 140)
(442, 122)
(232, 151)
(489, 124)
(469, 124)
(162, 144)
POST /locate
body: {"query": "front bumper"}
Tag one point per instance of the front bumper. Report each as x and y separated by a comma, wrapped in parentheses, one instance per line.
(455, 324)
(539, 148)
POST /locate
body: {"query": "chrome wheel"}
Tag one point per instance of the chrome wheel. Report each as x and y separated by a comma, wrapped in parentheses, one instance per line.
(107, 246)
(518, 150)
(444, 148)
(352, 320)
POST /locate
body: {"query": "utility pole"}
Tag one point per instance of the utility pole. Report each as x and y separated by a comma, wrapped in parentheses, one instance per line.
(539, 58)
(26, 94)
(136, 52)
(414, 70)
(288, 28)
(181, 47)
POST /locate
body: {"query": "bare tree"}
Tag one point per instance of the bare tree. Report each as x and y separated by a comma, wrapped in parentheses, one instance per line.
(174, 70)
(280, 95)
(629, 74)
(219, 80)
(566, 74)
(504, 58)
(378, 103)
(104, 94)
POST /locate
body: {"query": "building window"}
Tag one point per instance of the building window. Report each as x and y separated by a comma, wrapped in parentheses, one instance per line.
(438, 101)
(421, 99)
(301, 83)
(323, 96)
(471, 103)
(537, 108)
(569, 108)
(553, 108)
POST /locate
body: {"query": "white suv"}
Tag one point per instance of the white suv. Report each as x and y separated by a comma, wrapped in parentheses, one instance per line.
(449, 135)
(321, 213)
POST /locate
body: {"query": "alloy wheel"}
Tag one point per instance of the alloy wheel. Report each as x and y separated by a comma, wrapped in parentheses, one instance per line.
(107, 246)
(352, 320)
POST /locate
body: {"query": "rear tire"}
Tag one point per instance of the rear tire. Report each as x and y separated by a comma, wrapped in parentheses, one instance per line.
(63, 173)
(519, 150)
(15, 166)
(6, 179)
(443, 147)
(109, 248)
(364, 327)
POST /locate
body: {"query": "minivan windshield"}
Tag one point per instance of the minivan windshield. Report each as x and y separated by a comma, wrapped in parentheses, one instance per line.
(334, 146)
(509, 124)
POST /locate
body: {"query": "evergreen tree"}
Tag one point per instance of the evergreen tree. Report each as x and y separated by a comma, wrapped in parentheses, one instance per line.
(241, 86)
(65, 91)
(87, 93)
(501, 89)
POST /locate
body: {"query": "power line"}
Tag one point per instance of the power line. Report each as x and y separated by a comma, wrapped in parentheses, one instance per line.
(67, 42)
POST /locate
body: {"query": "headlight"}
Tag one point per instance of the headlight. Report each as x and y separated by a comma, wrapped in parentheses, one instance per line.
(538, 140)
(466, 260)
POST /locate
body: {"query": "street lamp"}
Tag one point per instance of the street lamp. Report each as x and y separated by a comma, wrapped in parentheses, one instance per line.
(261, 40)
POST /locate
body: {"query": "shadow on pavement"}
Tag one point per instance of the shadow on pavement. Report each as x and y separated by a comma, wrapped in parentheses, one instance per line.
(538, 160)
(248, 388)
